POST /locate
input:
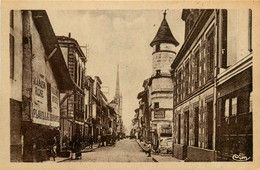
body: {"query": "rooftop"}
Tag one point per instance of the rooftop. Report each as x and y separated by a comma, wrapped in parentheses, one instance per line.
(164, 34)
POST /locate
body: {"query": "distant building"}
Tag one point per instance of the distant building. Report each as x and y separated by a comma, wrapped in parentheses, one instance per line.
(145, 115)
(116, 103)
(36, 84)
(89, 90)
(73, 105)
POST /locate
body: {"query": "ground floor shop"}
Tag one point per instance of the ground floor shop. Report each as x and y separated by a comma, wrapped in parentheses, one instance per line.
(234, 117)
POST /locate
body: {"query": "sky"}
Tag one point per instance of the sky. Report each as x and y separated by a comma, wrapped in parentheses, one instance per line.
(117, 37)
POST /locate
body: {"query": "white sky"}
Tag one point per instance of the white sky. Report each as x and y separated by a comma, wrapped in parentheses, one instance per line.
(118, 37)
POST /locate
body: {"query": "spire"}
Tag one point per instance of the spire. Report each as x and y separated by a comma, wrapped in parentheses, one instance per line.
(117, 95)
(164, 14)
(164, 34)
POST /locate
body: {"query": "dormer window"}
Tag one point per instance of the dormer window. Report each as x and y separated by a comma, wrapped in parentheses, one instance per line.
(158, 72)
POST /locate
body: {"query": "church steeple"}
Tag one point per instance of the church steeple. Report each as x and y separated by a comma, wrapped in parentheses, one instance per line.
(164, 34)
(117, 92)
(117, 83)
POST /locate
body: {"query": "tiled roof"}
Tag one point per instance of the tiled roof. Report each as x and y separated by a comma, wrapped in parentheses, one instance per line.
(164, 34)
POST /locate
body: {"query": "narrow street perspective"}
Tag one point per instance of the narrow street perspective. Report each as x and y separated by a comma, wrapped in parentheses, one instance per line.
(126, 150)
(168, 85)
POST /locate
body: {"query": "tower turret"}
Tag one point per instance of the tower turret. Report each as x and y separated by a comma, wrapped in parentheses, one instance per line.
(164, 50)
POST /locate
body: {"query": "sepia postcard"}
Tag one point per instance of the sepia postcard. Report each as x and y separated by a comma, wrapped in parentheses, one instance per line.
(129, 85)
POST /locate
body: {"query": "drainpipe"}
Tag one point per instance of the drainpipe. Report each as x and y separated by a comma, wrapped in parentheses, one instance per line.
(215, 81)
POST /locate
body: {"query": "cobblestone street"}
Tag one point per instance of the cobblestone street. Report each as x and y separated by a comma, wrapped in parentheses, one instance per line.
(126, 150)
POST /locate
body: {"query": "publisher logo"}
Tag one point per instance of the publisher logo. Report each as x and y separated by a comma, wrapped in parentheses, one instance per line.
(241, 157)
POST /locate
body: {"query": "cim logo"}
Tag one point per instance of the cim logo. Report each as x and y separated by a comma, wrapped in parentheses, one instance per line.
(241, 157)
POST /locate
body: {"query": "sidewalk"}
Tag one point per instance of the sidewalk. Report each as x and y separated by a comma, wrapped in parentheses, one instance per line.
(159, 158)
(62, 159)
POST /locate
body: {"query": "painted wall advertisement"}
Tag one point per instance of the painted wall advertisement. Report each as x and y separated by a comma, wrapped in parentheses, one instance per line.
(45, 107)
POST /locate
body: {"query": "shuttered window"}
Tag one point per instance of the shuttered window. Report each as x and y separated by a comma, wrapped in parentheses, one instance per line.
(234, 106)
(11, 56)
(12, 18)
(210, 54)
(49, 97)
(250, 103)
(196, 70)
(227, 108)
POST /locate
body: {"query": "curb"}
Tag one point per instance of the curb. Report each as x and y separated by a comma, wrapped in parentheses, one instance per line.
(155, 160)
(66, 159)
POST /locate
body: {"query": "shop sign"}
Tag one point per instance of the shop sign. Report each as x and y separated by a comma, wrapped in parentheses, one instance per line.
(160, 114)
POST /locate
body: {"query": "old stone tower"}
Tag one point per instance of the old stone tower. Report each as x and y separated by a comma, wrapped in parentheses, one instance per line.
(161, 86)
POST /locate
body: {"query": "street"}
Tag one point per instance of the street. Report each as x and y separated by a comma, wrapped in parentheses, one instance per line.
(126, 150)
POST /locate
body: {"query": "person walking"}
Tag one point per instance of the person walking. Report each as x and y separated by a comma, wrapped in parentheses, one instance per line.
(99, 140)
(78, 149)
(53, 148)
(91, 142)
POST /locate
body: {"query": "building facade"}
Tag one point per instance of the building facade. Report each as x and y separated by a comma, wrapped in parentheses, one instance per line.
(116, 103)
(73, 105)
(211, 48)
(36, 84)
(145, 115)
(89, 90)
(160, 87)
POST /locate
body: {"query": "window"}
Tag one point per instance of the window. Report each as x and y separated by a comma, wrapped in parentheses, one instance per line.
(196, 128)
(75, 71)
(82, 82)
(79, 102)
(12, 18)
(179, 85)
(250, 31)
(197, 68)
(157, 47)
(49, 97)
(250, 102)
(179, 129)
(187, 127)
(224, 39)
(234, 106)
(210, 124)
(210, 55)
(156, 105)
(11, 56)
(187, 78)
(227, 108)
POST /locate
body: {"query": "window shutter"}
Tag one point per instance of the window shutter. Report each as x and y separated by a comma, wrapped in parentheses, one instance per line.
(208, 59)
(49, 97)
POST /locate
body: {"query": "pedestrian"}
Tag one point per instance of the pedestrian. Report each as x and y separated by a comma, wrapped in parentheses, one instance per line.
(53, 147)
(149, 146)
(91, 142)
(78, 149)
(99, 140)
(114, 138)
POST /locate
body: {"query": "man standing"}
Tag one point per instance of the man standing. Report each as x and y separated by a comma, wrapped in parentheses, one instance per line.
(91, 142)
(149, 146)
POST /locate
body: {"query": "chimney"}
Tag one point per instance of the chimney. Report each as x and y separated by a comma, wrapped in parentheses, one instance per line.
(69, 34)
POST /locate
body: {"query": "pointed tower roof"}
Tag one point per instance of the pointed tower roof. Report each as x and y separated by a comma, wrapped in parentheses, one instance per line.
(164, 34)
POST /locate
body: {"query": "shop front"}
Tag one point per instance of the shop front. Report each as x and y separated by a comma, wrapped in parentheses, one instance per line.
(234, 118)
